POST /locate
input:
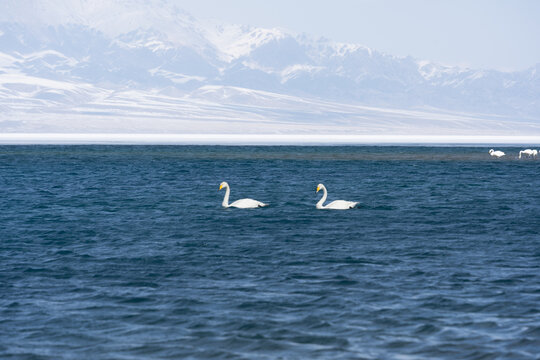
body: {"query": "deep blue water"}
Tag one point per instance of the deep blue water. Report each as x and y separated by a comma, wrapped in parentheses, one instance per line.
(124, 252)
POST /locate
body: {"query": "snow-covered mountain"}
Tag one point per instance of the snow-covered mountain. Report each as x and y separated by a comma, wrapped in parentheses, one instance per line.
(148, 66)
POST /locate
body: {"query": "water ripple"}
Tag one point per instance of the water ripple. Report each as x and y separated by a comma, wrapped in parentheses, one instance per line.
(124, 252)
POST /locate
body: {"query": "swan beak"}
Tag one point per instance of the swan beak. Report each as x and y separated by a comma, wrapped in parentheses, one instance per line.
(220, 187)
(318, 188)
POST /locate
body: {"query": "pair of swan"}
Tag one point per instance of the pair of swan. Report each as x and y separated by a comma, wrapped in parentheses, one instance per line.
(250, 203)
(528, 152)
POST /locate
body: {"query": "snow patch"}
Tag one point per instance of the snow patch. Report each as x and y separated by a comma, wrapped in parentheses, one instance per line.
(236, 41)
(343, 49)
(176, 77)
(35, 81)
(53, 56)
(293, 71)
(7, 60)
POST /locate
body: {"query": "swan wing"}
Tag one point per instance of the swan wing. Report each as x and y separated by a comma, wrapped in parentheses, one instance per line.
(247, 204)
(341, 205)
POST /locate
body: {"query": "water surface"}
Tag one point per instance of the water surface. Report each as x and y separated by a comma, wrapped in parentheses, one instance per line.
(124, 252)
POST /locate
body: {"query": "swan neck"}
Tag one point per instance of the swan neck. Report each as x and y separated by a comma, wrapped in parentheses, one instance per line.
(323, 199)
(225, 202)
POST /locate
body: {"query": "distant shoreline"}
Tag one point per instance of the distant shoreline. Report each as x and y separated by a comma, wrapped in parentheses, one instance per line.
(259, 139)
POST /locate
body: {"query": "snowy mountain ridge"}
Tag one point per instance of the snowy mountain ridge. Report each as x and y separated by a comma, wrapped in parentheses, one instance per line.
(63, 56)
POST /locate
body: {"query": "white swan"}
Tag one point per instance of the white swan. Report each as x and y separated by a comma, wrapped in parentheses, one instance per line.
(528, 152)
(242, 203)
(497, 153)
(338, 204)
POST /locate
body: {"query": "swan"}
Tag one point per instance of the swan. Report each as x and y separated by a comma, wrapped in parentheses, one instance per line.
(528, 152)
(497, 153)
(337, 204)
(242, 203)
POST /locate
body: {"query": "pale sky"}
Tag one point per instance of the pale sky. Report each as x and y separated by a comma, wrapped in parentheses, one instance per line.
(490, 34)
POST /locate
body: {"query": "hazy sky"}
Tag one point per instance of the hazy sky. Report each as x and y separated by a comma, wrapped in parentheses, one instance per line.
(497, 34)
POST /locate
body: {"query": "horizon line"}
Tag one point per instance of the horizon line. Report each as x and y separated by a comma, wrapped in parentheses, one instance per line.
(258, 139)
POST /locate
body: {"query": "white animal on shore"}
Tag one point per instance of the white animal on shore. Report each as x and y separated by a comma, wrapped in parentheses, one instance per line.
(336, 205)
(529, 153)
(497, 153)
(242, 203)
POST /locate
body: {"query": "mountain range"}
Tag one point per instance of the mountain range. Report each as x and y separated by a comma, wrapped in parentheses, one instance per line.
(148, 66)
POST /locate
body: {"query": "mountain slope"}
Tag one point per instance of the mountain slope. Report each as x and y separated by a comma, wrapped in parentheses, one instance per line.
(70, 59)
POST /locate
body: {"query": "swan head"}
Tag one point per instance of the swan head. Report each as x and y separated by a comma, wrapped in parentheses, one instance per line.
(223, 185)
(491, 150)
(320, 187)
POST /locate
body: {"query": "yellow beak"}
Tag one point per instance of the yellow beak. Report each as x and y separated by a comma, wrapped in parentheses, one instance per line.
(318, 188)
(220, 187)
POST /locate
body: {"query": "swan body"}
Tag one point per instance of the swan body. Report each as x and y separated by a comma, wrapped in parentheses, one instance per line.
(497, 153)
(242, 203)
(528, 152)
(336, 205)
